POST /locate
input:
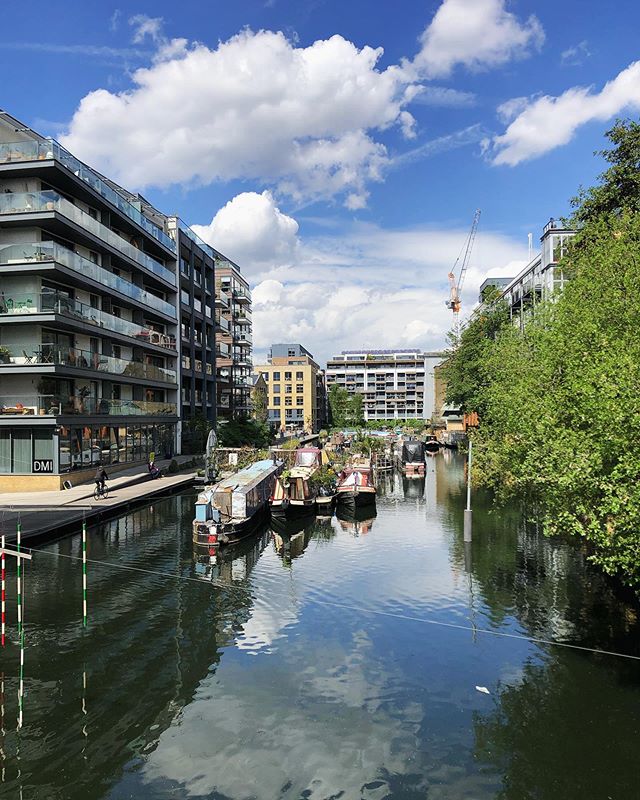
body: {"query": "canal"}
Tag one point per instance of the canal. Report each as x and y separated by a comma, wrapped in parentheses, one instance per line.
(341, 659)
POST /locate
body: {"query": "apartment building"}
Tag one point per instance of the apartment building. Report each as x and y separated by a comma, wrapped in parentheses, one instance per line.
(395, 384)
(89, 368)
(541, 277)
(235, 340)
(295, 388)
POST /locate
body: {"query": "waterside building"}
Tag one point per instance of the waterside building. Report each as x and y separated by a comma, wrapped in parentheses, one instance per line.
(395, 384)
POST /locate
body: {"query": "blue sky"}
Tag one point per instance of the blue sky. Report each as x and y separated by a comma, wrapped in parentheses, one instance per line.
(336, 150)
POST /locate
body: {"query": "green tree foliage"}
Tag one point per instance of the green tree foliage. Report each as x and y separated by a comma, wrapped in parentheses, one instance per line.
(465, 369)
(244, 433)
(259, 402)
(559, 402)
(345, 409)
(619, 186)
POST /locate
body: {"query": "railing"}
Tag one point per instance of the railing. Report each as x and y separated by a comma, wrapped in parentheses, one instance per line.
(60, 405)
(51, 251)
(56, 303)
(31, 202)
(40, 151)
(223, 323)
(25, 355)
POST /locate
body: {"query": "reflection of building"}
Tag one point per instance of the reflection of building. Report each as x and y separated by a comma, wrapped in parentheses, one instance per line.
(88, 318)
(395, 384)
(296, 388)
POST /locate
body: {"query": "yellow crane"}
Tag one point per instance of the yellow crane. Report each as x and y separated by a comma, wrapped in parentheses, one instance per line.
(455, 286)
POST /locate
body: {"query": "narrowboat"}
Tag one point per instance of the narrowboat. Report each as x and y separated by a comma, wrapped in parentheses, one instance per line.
(413, 462)
(233, 508)
(432, 445)
(356, 486)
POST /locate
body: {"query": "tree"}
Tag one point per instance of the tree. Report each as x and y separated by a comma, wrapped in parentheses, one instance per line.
(354, 411)
(338, 405)
(619, 186)
(464, 369)
(259, 403)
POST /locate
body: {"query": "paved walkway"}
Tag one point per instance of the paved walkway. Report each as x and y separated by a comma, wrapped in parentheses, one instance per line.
(43, 513)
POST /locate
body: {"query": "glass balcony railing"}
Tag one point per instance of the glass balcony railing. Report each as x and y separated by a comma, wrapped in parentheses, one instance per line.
(57, 303)
(222, 323)
(32, 202)
(50, 251)
(50, 149)
(25, 355)
(61, 405)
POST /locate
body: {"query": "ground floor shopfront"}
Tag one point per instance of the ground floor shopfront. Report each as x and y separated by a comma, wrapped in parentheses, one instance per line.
(40, 457)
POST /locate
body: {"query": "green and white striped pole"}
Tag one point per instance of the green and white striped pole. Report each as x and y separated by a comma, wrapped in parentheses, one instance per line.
(19, 576)
(84, 573)
(21, 685)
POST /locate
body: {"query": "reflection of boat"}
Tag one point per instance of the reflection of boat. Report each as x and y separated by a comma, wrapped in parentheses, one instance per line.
(356, 521)
(355, 484)
(291, 536)
(234, 562)
(413, 487)
(432, 445)
(234, 507)
(413, 457)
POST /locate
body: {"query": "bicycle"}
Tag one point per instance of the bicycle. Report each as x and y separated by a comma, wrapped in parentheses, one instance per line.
(101, 492)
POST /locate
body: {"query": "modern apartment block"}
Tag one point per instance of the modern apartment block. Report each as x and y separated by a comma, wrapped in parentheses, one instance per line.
(395, 384)
(88, 318)
(295, 388)
(539, 279)
(235, 340)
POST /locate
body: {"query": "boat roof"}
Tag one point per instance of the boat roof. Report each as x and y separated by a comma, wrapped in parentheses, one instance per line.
(246, 475)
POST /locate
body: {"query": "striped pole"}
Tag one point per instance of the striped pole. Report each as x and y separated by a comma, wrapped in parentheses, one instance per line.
(3, 573)
(84, 573)
(21, 686)
(19, 577)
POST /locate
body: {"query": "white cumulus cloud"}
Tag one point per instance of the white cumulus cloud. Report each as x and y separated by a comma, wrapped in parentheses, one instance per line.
(251, 230)
(301, 119)
(544, 123)
(359, 286)
(476, 34)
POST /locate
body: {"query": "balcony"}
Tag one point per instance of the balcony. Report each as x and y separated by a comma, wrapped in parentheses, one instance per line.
(223, 300)
(57, 303)
(35, 202)
(49, 405)
(241, 295)
(50, 251)
(223, 325)
(243, 339)
(11, 152)
(50, 354)
(242, 319)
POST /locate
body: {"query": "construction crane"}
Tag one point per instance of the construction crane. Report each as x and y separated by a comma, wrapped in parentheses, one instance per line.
(455, 287)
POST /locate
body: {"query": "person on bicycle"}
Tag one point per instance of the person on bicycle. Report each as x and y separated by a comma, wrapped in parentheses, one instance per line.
(154, 472)
(101, 477)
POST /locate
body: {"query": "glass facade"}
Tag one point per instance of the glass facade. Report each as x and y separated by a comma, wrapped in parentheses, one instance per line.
(28, 451)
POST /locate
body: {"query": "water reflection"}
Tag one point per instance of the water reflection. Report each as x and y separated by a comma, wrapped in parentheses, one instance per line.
(236, 678)
(356, 521)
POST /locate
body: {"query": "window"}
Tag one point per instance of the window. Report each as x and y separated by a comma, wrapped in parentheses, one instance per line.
(287, 376)
(276, 376)
(288, 389)
(300, 388)
(299, 375)
(299, 401)
(291, 352)
(288, 401)
(276, 401)
(276, 388)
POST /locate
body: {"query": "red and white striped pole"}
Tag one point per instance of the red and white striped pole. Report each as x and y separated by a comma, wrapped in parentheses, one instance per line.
(19, 577)
(3, 573)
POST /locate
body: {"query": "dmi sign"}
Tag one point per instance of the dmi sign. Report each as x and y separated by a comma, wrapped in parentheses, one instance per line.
(42, 465)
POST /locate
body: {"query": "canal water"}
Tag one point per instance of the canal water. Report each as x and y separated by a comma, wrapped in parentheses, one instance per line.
(333, 659)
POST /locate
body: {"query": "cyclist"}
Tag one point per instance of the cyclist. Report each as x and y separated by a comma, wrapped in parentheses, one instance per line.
(101, 477)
